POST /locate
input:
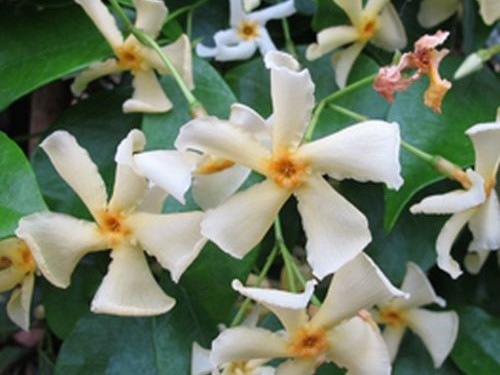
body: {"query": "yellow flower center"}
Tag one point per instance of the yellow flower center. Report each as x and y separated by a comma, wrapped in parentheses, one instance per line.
(489, 185)
(392, 317)
(111, 225)
(286, 170)
(130, 57)
(239, 368)
(248, 30)
(368, 29)
(308, 343)
(212, 164)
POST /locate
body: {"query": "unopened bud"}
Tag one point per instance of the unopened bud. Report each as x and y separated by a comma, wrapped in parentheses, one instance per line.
(472, 63)
(452, 171)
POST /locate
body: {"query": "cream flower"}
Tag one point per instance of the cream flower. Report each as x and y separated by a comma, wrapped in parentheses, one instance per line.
(247, 32)
(59, 241)
(133, 56)
(336, 230)
(377, 23)
(17, 272)
(433, 12)
(438, 330)
(335, 332)
(477, 205)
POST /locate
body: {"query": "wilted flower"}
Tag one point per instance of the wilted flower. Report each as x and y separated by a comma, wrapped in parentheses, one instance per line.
(438, 330)
(335, 333)
(476, 205)
(378, 23)
(123, 225)
(133, 56)
(424, 60)
(17, 272)
(336, 230)
(247, 32)
(433, 12)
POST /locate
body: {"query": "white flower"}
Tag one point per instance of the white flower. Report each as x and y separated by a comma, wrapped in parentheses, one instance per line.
(438, 330)
(335, 333)
(478, 205)
(336, 230)
(59, 241)
(433, 12)
(378, 23)
(133, 56)
(17, 272)
(247, 32)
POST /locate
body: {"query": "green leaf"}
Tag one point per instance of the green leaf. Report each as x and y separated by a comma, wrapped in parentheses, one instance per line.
(477, 350)
(39, 53)
(470, 101)
(20, 193)
(328, 14)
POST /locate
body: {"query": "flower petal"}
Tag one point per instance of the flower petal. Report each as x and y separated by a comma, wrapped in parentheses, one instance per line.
(438, 331)
(174, 240)
(218, 138)
(129, 288)
(358, 285)
(353, 9)
(293, 100)
(329, 39)
(58, 242)
(200, 360)
(243, 343)
(297, 367)
(432, 12)
(374, 7)
(274, 12)
(74, 165)
(368, 151)
(248, 119)
(489, 11)
(486, 138)
(19, 305)
(391, 33)
(264, 41)
(485, 224)
(342, 62)
(170, 170)
(236, 11)
(445, 241)
(419, 288)
(336, 231)
(370, 356)
(290, 308)
(93, 72)
(454, 201)
(204, 51)
(103, 20)
(211, 190)
(150, 16)
(148, 95)
(393, 334)
(474, 260)
(153, 200)
(241, 222)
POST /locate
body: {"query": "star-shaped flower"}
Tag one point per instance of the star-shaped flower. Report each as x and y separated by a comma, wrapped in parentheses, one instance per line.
(247, 32)
(438, 330)
(433, 12)
(123, 225)
(17, 272)
(378, 23)
(336, 230)
(133, 56)
(335, 333)
(476, 205)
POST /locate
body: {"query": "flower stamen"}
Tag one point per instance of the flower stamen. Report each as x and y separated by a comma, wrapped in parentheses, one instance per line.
(248, 30)
(308, 343)
(286, 171)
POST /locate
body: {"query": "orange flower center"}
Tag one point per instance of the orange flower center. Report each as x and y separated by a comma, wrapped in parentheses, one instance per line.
(286, 171)
(308, 343)
(248, 30)
(213, 165)
(130, 58)
(111, 225)
(368, 29)
(392, 317)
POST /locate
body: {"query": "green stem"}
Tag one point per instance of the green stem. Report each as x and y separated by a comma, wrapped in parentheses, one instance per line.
(347, 112)
(188, 8)
(121, 14)
(287, 258)
(269, 261)
(314, 121)
(431, 159)
(290, 46)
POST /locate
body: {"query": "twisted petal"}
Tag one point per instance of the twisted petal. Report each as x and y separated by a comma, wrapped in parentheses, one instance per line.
(419, 288)
(368, 151)
(264, 42)
(432, 12)
(474, 260)
(485, 224)
(248, 119)
(103, 20)
(353, 8)
(174, 240)
(392, 336)
(58, 242)
(438, 331)
(243, 343)
(486, 138)
(360, 284)
(281, 10)
(151, 14)
(215, 137)
(343, 61)
(489, 11)
(200, 360)
(292, 94)
(454, 201)
(239, 51)
(336, 231)
(290, 308)
(93, 72)
(236, 11)
(74, 165)
(445, 241)
(370, 356)
(329, 39)
(241, 222)
(19, 305)
(297, 367)
(129, 288)
(148, 95)
(204, 51)
(391, 33)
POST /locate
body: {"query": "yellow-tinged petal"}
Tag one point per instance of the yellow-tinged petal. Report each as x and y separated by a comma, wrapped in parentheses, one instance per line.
(489, 11)
(390, 34)
(419, 288)
(19, 305)
(148, 95)
(93, 72)
(486, 138)
(329, 39)
(151, 14)
(393, 334)
(342, 62)
(432, 12)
